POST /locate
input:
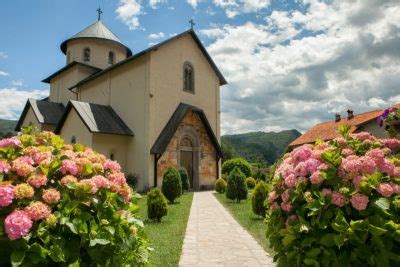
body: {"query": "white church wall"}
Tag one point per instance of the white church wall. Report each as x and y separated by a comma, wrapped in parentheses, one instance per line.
(73, 126)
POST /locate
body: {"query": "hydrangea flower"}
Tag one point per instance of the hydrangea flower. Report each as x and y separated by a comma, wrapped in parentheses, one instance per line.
(6, 195)
(51, 196)
(37, 180)
(111, 165)
(359, 201)
(4, 167)
(23, 190)
(338, 199)
(17, 224)
(37, 210)
(10, 142)
(69, 167)
(385, 190)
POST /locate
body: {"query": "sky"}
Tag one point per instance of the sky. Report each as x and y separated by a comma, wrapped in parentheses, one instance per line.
(289, 64)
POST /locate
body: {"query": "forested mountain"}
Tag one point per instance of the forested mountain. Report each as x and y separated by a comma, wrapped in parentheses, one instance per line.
(7, 127)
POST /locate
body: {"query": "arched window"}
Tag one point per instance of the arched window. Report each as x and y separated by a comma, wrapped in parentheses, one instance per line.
(86, 54)
(112, 157)
(110, 58)
(188, 77)
(73, 139)
(185, 141)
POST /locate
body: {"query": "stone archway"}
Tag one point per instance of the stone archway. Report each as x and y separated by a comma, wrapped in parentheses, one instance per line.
(188, 152)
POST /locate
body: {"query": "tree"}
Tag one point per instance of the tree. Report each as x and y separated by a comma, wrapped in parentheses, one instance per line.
(184, 179)
(220, 186)
(236, 189)
(156, 205)
(171, 185)
(241, 163)
(258, 198)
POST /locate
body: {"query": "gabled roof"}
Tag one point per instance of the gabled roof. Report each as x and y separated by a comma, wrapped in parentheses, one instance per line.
(172, 125)
(96, 30)
(45, 111)
(67, 67)
(329, 130)
(222, 80)
(97, 118)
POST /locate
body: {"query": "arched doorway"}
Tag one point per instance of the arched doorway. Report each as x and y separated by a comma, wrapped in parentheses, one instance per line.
(188, 154)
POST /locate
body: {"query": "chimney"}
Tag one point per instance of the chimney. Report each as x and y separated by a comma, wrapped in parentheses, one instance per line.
(337, 117)
(350, 114)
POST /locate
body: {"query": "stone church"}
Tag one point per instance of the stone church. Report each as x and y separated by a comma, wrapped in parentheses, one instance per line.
(148, 110)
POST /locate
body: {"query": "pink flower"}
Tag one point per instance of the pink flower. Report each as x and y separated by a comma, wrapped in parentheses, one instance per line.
(118, 178)
(391, 143)
(357, 180)
(125, 192)
(23, 191)
(285, 195)
(68, 166)
(341, 141)
(4, 167)
(39, 157)
(6, 195)
(301, 169)
(13, 142)
(387, 167)
(377, 155)
(316, 179)
(347, 152)
(272, 197)
(363, 136)
(396, 189)
(302, 153)
(385, 190)
(274, 206)
(23, 166)
(338, 199)
(326, 192)
(93, 187)
(312, 165)
(323, 167)
(351, 164)
(396, 172)
(111, 165)
(368, 165)
(69, 179)
(286, 206)
(290, 181)
(37, 180)
(359, 201)
(51, 196)
(17, 224)
(101, 181)
(291, 219)
(37, 210)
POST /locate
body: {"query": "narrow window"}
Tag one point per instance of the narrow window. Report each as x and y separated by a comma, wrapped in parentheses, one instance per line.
(73, 139)
(188, 77)
(69, 57)
(111, 58)
(112, 156)
(86, 54)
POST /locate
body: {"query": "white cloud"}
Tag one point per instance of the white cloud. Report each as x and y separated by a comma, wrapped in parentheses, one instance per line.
(193, 3)
(157, 35)
(155, 3)
(12, 101)
(128, 12)
(3, 55)
(3, 73)
(298, 68)
(235, 7)
(17, 83)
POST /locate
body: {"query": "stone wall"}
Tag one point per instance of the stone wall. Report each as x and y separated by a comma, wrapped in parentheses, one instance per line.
(207, 170)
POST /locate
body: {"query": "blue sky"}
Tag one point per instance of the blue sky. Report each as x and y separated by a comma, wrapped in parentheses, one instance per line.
(289, 64)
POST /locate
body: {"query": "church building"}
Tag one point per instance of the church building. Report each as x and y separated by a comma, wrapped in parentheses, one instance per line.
(147, 110)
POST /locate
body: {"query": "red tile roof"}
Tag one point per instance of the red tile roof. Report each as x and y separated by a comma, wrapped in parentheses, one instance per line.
(329, 130)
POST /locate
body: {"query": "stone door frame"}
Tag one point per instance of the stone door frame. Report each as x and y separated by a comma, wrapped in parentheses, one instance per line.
(190, 132)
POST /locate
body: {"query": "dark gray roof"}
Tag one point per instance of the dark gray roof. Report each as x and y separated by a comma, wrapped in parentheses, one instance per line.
(67, 67)
(96, 30)
(172, 125)
(45, 111)
(97, 118)
(222, 80)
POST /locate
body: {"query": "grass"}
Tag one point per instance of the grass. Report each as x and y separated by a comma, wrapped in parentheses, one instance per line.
(167, 237)
(244, 215)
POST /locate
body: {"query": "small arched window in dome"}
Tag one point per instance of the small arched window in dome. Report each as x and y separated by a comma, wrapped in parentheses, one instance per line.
(73, 139)
(188, 77)
(110, 57)
(68, 57)
(86, 54)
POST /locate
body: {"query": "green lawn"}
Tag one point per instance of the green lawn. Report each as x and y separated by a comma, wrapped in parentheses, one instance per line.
(244, 216)
(167, 237)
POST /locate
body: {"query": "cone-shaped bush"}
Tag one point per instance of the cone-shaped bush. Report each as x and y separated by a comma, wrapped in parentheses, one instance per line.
(241, 163)
(250, 182)
(156, 205)
(172, 185)
(220, 186)
(236, 188)
(258, 198)
(185, 179)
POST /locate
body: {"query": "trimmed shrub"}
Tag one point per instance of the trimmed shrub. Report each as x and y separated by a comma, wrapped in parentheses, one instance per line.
(220, 186)
(258, 198)
(337, 203)
(156, 205)
(171, 185)
(63, 205)
(241, 163)
(250, 182)
(236, 188)
(185, 179)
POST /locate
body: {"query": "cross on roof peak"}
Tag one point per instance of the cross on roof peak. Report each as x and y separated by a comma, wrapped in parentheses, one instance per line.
(191, 22)
(99, 11)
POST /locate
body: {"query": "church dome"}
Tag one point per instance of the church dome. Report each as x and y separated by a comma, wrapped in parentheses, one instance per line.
(95, 31)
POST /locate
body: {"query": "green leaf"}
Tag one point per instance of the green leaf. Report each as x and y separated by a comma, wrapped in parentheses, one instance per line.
(72, 227)
(360, 225)
(88, 170)
(311, 262)
(382, 203)
(78, 147)
(340, 224)
(17, 257)
(327, 240)
(376, 231)
(56, 254)
(99, 241)
(339, 240)
(313, 253)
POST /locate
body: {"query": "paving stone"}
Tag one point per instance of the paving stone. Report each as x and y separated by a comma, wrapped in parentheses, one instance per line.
(214, 238)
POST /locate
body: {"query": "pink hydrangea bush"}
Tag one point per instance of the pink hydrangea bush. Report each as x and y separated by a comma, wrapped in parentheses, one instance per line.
(337, 203)
(65, 204)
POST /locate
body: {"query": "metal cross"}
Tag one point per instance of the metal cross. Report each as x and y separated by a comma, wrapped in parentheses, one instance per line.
(100, 12)
(191, 23)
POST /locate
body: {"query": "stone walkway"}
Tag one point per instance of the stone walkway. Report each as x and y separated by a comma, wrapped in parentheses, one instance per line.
(214, 238)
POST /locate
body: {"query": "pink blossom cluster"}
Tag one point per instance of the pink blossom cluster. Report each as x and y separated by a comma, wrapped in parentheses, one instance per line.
(69, 167)
(51, 196)
(17, 224)
(6, 195)
(111, 166)
(10, 142)
(23, 166)
(4, 167)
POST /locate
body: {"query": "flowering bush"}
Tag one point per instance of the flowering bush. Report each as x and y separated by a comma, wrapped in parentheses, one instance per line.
(390, 119)
(64, 204)
(337, 203)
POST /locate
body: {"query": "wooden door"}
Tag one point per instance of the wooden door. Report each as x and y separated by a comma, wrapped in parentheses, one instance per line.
(186, 158)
